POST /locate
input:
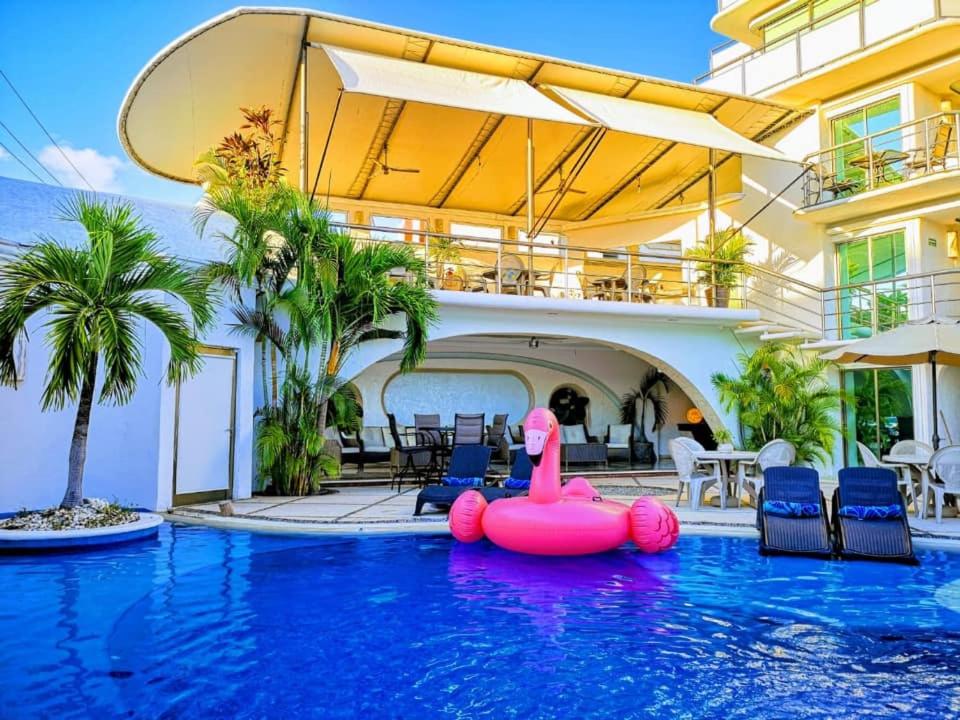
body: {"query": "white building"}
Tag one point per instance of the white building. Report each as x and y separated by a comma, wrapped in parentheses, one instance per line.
(826, 130)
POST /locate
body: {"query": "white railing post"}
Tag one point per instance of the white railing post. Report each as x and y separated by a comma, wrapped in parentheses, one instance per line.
(499, 265)
(926, 143)
(869, 152)
(863, 26)
(629, 276)
(933, 294)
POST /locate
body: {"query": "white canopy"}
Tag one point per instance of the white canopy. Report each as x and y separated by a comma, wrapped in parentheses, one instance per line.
(387, 77)
(662, 121)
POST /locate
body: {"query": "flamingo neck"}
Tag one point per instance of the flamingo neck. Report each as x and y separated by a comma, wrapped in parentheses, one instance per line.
(545, 480)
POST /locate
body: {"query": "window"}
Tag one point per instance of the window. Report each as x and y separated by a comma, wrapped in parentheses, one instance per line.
(396, 229)
(878, 410)
(867, 260)
(485, 232)
(543, 244)
(337, 217)
(851, 161)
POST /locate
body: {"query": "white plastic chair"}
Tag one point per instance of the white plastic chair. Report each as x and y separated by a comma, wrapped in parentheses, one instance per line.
(697, 475)
(904, 476)
(944, 477)
(911, 447)
(776, 453)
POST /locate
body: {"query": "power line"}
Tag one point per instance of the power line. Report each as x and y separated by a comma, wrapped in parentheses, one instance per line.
(25, 166)
(45, 131)
(27, 151)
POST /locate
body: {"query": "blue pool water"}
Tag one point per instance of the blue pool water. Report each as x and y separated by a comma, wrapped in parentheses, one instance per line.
(208, 624)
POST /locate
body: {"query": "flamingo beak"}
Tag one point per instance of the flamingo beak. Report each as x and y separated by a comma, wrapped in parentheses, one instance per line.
(534, 440)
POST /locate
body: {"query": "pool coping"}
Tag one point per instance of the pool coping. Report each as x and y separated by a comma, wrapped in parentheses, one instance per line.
(16, 541)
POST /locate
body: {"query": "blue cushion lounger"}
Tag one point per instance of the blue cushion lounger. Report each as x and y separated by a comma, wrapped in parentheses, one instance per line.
(786, 518)
(467, 470)
(870, 517)
(520, 471)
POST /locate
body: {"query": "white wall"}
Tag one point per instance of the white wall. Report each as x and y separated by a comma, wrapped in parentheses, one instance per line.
(130, 448)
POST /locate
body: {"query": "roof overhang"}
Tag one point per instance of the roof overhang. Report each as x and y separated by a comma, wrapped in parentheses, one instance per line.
(455, 111)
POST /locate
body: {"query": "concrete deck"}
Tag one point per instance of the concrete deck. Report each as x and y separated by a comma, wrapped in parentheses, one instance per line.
(378, 509)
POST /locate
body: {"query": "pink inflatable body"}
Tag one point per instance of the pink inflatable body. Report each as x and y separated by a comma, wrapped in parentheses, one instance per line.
(560, 520)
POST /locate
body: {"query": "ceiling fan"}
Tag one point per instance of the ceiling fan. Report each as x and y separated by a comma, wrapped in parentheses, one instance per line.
(559, 185)
(386, 168)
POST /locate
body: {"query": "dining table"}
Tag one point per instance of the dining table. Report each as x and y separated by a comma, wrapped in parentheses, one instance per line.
(920, 462)
(728, 459)
(879, 160)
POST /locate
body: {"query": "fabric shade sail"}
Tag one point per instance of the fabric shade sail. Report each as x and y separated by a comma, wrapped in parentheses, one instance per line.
(679, 125)
(368, 74)
(412, 119)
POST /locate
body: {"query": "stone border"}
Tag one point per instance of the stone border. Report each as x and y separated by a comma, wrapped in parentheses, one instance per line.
(14, 541)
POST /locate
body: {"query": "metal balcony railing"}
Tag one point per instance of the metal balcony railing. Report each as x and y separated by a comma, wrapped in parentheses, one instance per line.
(902, 153)
(458, 263)
(845, 31)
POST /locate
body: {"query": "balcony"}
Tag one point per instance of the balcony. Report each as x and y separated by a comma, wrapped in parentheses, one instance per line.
(908, 164)
(870, 36)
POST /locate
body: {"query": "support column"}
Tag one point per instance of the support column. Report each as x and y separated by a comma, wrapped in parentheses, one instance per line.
(712, 192)
(531, 217)
(304, 119)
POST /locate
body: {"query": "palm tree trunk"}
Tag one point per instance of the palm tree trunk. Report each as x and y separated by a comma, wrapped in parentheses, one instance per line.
(263, 371)
(78, 446)
(273, 375)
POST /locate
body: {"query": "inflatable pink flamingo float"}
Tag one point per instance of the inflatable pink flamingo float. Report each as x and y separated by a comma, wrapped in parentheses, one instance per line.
(554, 520)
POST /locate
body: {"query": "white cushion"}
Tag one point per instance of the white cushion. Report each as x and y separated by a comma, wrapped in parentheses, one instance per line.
(573, 434)
(372, 436)
(620, 435)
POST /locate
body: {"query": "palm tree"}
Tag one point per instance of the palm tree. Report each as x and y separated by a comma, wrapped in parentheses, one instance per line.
(95, 298)
(781, 393)
(635, 401)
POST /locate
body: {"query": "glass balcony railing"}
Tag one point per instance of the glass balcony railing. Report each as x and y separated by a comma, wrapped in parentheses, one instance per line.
(898, 155)
(845, 31)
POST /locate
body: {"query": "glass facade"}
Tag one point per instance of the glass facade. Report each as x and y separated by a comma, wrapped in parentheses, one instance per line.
(877, 410)
(874, 307)
(851, 162)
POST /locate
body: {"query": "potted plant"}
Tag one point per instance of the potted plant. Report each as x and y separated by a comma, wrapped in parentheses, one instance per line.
(721, 258)
(442, 251)
(724, 439)
(651, 390)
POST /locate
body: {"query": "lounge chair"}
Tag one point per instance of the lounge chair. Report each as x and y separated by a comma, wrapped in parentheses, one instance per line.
(496, 433)
(579, 447)
(870, 516)
(520, 472)
(619, 439)
(467, 471)
(792, 513)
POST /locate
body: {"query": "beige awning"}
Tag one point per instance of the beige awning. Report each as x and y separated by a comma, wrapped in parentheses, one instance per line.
(454, 111)
(368, 74)
(662, 121)
(908, 344)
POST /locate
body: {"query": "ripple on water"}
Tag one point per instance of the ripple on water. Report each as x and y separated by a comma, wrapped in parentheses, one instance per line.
(207, 624)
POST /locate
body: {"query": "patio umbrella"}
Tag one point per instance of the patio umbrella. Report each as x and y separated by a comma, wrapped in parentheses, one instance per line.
(932, 340)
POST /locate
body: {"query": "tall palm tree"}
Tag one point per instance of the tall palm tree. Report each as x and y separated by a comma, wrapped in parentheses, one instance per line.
(94, 298)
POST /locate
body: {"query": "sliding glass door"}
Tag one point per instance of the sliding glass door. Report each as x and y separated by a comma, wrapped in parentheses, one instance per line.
(852, 161)
(877, 411)
(881, 303)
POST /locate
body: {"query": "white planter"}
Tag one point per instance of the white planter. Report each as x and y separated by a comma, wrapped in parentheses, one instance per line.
(32, 540)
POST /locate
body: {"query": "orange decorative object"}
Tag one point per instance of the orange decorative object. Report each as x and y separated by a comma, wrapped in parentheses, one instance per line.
(694, 416)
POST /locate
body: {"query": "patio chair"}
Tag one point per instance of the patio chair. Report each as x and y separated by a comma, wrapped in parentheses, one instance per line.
(792, 513)
(870, 517)
(468, 429)
(696, 475)
(633, 286)
(904, 477)
(577, 446)
(344, 450)
(496, 432)
(418, 458)
(775, 453)
(911, 447)
(919, 161)
(429, 424)
(512, 442)
(520, 472)
(513, 274)
(619, 439)
(467, 471)
(944, 471)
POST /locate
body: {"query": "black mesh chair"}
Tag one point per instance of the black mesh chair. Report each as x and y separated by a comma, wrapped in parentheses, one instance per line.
(468, 471)
(496, 432)
(869, 492)
(468, 429)
(429, 424)
(785, 535)
(418, 458)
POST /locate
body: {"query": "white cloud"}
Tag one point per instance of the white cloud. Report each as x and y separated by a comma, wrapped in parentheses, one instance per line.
(100, 170)
(3, 154)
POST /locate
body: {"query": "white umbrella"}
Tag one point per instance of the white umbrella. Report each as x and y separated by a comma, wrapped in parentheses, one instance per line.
(932, 340)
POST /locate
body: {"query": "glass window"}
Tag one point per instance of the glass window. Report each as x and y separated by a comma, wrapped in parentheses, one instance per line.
(851, 160)
(466, 230)
(867, 260)
(543, 244)
(337, 217)
(877, 411)
(396, 229)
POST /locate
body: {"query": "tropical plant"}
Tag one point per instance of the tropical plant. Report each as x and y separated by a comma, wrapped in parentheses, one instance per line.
(249, 157)
(782, 393)
(722, 436)
(94, 298)
(442, 251)
(651, 390)
(721, 264)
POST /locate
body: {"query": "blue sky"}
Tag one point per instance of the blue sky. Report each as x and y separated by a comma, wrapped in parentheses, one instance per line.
(73, 60)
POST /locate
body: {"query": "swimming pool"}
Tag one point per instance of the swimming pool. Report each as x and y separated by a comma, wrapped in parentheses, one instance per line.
(208, 624)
